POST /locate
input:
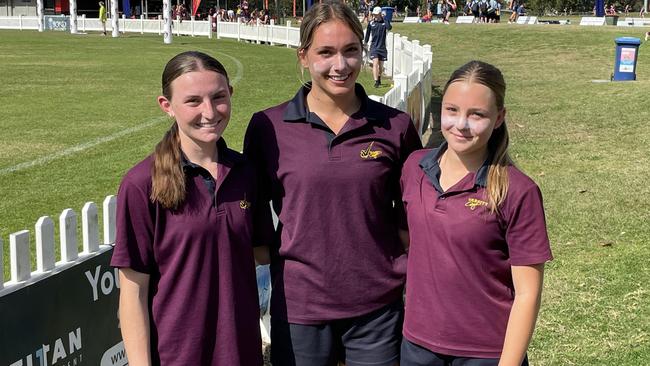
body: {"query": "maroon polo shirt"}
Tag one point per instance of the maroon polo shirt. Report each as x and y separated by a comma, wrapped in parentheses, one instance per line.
(337, 253)
(203, 295)
(459, 290)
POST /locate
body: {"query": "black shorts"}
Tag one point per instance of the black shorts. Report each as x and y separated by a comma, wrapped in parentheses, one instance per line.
(371, 339)
(414, 355)
(382, 55)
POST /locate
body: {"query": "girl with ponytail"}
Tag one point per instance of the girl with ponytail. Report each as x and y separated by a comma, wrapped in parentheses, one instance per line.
(478, 239)
(187, 221)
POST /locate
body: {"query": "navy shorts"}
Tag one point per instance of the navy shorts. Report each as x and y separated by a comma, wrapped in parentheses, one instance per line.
(382, 55)
(371, 339)
(414, 355)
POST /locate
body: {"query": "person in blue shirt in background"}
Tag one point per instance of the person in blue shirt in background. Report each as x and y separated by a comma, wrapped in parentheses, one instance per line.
(378, 28)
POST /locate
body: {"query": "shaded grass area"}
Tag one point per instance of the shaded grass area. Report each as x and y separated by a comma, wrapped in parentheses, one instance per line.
(585, 144)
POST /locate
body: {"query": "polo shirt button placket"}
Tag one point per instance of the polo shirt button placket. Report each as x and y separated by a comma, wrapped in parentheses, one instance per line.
(334, 151)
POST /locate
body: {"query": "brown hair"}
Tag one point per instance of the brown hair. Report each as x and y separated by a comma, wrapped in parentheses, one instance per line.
(491, 77)
(167, 176)
(323, 13)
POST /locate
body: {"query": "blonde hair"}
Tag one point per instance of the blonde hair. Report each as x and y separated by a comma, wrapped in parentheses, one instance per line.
(491, 77)
(167, 176)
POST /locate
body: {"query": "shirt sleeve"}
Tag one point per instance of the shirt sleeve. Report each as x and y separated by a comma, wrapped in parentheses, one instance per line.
(263, 222)
(526, 233)
(135, 228)
(410, 142)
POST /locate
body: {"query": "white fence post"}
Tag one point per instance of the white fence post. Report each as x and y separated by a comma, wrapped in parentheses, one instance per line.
(45, 244)
(20, 22)
(123, 27)
(419, 65)
(167, 28)
(178, 25)
(271, 28)
(68, 234)
(141, 24)
(218, 25)
(414, 55)
(83, 23)
(19, 255)
(41, 25)
(397, 58)
(238, 29)
(257, 24)
(90, 227)
(192, 25)
(115, 19)
(405, 62)
(428, 56)
(73, 17)
(110, 204)
(401, 81)
(288, 28)
(390, 44)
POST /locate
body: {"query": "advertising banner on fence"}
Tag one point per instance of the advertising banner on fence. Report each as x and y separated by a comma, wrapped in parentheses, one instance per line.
(69, 318)
(57, 23)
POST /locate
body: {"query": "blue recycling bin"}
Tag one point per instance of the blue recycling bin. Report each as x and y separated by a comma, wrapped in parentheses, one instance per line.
(388, 13)
(627, 49)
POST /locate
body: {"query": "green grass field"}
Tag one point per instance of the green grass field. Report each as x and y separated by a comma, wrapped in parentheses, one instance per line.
(585, 143)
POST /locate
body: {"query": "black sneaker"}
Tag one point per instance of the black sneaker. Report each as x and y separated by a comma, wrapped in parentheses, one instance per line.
(377, 84)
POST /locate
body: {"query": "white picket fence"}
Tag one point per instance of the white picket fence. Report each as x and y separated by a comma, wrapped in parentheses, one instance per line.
(46, 264)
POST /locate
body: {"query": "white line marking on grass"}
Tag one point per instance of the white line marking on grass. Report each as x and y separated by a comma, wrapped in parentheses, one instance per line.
(81, 147)
(239, 74)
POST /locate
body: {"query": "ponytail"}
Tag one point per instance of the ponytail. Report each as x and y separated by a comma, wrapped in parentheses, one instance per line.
(497, 180)
(167, 177)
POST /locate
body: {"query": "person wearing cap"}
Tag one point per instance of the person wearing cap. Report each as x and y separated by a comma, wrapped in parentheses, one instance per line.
(378, 27)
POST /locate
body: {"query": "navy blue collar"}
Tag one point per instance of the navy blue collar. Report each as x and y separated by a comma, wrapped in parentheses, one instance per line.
(431, 167)
(225, 156)
(297, 110)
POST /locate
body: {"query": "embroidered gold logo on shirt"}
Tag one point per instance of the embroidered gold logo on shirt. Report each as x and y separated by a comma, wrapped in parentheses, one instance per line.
(368, 153)
(243, 204)
(473, 203)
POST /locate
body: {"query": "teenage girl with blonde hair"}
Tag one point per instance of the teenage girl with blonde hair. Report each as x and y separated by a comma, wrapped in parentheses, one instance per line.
(478, 239)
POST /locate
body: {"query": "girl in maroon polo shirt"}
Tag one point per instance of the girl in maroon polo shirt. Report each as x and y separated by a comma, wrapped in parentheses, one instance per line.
(330, 161)
(186, 221)
(478, 239)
